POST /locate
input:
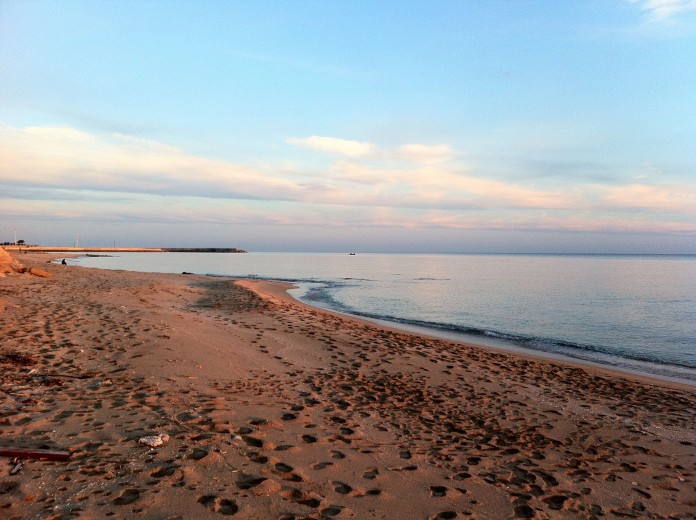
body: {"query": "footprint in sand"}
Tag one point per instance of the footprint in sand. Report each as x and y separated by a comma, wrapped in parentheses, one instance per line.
(252, 441)
(371, 474)
(127, 496)
(367, 493)
(444, 515)
(462, 475)
(257, 458)
(524, 511)
(332, 510)
(248, 481)
(197, 454)
(165, 470)
(281, 467)
(342, 488)
(219, 505)
(299, 497)
(438, 491)
(555, 502)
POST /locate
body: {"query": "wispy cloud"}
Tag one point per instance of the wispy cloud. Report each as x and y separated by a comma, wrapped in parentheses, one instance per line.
(71, 174)
(426, 153)
(414, 152)
(663, 10)
(668, 198)
(334, 145)
(71, 159)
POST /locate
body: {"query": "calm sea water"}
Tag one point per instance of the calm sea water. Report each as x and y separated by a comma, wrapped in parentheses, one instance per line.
(631, 312)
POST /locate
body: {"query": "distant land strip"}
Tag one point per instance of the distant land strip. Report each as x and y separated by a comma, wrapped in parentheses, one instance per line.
(62, 249)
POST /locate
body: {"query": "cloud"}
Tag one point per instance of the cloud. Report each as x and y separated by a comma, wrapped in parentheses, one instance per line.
(426, 154)
(663, 10)
(70, 159)
(70, 174)
(334, 145)
(415, 153)
(443, 186)
(642, 197)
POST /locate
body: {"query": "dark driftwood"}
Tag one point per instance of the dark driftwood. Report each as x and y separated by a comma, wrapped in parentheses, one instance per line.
(24, 453)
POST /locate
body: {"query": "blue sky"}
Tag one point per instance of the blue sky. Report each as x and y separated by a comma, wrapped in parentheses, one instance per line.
(472, 126)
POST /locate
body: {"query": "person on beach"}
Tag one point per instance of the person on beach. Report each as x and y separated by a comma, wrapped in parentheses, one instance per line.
(64, 262)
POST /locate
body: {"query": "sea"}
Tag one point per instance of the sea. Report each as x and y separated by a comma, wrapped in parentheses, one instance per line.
(626, 312)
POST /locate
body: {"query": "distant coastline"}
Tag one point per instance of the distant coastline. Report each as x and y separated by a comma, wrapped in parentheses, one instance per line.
(66, 249)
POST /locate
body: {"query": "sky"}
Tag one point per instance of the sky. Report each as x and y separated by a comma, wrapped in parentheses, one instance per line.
(348, 125)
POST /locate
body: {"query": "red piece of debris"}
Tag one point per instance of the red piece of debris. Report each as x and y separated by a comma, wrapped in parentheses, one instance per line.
(24, 453)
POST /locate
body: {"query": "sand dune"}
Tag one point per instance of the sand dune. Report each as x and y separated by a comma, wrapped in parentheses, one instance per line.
(275, 410)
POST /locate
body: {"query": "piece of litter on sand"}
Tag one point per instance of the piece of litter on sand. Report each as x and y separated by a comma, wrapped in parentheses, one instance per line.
(24, 453)
(154, 440)
(17, 466)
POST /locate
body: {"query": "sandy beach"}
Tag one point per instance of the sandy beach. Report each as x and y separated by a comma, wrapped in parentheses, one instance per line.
(275, 410)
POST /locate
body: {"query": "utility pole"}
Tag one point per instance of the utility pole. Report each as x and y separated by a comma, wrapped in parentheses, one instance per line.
(77, 240)
(15, 236)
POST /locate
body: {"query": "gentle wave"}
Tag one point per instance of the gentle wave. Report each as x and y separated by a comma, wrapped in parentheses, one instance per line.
(318, 293)
(534, 343)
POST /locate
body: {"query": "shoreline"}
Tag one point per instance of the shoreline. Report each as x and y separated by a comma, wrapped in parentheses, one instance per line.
(276, 409)
(281, 293)
(563, 350)
(508, 347)
(511, 347)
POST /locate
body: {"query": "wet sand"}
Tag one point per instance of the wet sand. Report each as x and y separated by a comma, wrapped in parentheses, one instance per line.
(276, 410)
